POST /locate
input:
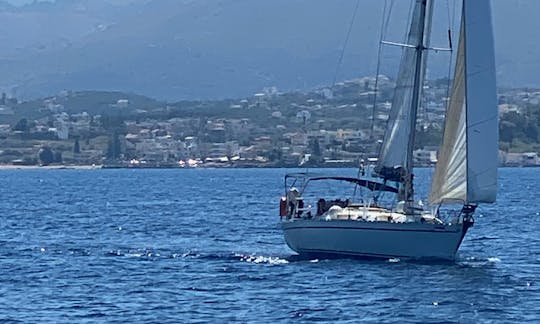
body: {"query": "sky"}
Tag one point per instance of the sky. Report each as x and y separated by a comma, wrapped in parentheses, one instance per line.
(213, 50)
(22, 2)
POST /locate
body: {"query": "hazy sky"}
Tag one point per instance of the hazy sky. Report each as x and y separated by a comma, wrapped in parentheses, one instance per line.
(18, 2)
(21, 2)
(228, 46)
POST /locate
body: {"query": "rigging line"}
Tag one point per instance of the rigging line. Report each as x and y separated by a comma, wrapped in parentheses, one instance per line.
(409, 19)
(384, 26)
(423, 102)
(345, 44)
(454, 14)
(388, 17)
(450, 22)
(450, 33)
(377, 78)
(340, 61)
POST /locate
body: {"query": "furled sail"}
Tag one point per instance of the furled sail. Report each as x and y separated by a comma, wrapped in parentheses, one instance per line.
(468, 159)
(394, 149)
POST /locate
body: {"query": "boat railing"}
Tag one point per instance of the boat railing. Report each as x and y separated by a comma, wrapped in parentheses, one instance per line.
(450, 215)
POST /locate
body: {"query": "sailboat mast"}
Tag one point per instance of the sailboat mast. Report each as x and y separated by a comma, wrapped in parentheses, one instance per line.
(417, 90)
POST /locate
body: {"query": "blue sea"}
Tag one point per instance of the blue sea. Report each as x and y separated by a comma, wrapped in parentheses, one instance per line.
(204, 245)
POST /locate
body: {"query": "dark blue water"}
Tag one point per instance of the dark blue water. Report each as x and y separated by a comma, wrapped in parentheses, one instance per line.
(194, 245)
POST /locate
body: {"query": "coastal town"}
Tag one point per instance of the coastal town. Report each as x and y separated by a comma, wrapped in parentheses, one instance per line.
(338, 126)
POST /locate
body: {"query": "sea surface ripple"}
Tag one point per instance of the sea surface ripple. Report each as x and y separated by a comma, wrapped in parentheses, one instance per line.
(204, 245)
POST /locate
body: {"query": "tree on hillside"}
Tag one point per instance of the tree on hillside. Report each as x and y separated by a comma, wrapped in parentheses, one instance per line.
(507, 131)
(46, 156)
(58, 157)
(76, 147)
(114, 147)
(22, 125)
(519, 126)
(113, 122)
(315, 147)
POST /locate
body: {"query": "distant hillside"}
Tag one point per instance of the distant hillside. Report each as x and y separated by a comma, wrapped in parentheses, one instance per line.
(184, 49)
(92, 102)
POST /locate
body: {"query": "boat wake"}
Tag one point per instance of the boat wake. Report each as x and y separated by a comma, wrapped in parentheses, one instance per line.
(472, 261)
(254, 258)
(261, 259)
(189, 254)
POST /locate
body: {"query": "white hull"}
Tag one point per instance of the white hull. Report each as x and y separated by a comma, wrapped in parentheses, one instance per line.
(374, 239)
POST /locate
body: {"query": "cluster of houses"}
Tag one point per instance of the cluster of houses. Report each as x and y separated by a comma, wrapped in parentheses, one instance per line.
(293, 133)
(232, 142)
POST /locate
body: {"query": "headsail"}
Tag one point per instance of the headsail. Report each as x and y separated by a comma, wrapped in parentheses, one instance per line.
(468, 158)
(394, 151)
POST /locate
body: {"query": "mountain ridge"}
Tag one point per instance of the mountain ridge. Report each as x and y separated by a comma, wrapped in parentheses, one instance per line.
(215, 49)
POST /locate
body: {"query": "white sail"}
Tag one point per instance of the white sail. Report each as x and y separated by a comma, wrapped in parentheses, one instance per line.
(468, 158)
(394, 148)
(450, 178)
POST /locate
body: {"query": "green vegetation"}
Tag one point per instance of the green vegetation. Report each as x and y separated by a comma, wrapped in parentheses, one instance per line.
(519, 132)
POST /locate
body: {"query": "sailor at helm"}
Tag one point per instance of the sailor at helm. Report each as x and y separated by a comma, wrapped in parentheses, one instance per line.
(292, 200)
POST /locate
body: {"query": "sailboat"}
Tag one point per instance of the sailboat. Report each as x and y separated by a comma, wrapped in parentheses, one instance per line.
(465, 174)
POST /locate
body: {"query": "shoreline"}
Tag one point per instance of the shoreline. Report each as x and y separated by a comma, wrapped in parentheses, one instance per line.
(49, 167)
(101, 167)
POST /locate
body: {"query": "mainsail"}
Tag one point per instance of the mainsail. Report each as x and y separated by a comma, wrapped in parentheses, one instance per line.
(395, 151)
(468, 159)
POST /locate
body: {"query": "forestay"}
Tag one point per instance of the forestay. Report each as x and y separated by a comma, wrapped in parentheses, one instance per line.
(468, 158)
